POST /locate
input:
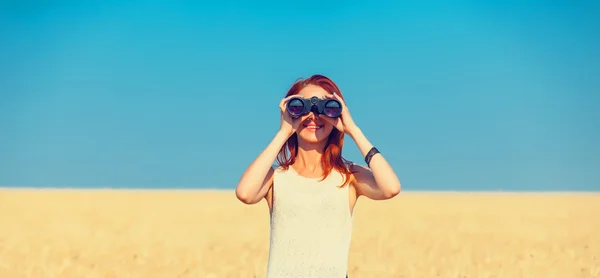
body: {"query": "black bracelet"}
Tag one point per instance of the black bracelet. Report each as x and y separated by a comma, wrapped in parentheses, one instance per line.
(370, 155)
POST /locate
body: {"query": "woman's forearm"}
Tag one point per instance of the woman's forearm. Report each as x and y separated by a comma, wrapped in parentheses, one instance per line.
(250, 188)
(385, 177)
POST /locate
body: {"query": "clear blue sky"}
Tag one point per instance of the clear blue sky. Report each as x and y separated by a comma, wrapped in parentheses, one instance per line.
(457, 95)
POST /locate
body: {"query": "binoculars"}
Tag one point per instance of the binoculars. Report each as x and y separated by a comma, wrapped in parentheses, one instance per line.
(298, 107)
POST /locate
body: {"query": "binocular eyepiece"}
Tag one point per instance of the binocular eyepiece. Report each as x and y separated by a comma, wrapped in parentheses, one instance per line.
(298, 107)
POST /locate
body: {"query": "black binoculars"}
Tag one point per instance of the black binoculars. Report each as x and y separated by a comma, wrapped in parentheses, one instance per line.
(329, 107)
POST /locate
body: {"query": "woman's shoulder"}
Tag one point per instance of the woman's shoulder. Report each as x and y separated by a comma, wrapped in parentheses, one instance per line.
(350, 165)
(278, 168)
(349, 162)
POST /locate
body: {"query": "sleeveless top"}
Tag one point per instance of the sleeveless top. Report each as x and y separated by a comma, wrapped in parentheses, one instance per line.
(311, 226)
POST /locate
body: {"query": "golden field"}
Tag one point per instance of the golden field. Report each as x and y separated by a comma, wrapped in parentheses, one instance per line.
(118, 233)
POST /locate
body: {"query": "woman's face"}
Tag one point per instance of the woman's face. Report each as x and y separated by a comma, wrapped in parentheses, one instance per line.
(313, 129)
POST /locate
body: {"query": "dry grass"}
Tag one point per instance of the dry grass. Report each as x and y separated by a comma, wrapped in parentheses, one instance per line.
(53, 233)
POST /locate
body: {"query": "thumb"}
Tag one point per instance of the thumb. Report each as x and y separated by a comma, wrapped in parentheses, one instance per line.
(298, 121)
(336, 122)
(329, 120)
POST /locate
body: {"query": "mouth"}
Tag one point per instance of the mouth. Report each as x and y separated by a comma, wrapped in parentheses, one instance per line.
(313, 126)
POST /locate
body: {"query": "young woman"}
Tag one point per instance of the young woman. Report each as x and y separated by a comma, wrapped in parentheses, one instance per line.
(312, 191)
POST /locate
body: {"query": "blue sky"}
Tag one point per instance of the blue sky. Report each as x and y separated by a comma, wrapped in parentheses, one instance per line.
(458, 95)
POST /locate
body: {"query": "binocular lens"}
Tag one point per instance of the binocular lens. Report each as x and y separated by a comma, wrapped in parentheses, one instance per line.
(332, 108)
(295, 107)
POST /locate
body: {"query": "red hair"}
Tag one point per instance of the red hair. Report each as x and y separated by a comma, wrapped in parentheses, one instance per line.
(332, 157)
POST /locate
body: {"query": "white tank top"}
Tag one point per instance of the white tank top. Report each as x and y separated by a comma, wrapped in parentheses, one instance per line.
(311, 226)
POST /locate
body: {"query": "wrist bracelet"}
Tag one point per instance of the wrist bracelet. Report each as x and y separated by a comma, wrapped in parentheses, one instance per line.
(370, 155)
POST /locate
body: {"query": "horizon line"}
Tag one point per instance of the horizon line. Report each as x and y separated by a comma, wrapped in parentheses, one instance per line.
(222, 190)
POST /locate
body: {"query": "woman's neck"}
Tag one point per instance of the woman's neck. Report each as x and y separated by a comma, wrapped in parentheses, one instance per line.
(308, 158)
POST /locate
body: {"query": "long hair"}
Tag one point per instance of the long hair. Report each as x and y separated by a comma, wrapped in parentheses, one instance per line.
(332, 157)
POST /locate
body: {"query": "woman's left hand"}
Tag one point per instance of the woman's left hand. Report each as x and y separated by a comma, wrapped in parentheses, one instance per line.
(344, 122)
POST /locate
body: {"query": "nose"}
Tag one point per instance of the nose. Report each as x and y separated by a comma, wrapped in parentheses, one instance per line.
(313, 115)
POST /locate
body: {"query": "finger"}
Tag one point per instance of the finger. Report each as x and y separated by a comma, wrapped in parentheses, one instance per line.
(282, 104)
(298, 121)
(339, 98)
(304, 118)
(335, 96)
(340, 125)
(284, 101)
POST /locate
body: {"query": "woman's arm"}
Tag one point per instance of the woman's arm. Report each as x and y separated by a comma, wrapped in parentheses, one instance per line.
(258, 177)
(378, 183)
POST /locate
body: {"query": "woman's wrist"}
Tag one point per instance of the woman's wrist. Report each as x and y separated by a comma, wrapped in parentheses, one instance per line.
(353, 131)
(283, 135)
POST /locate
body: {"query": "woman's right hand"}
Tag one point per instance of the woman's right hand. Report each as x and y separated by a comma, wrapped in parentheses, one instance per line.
(289, 125)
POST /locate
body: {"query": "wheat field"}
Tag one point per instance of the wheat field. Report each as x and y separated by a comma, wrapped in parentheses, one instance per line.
(119, 233)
